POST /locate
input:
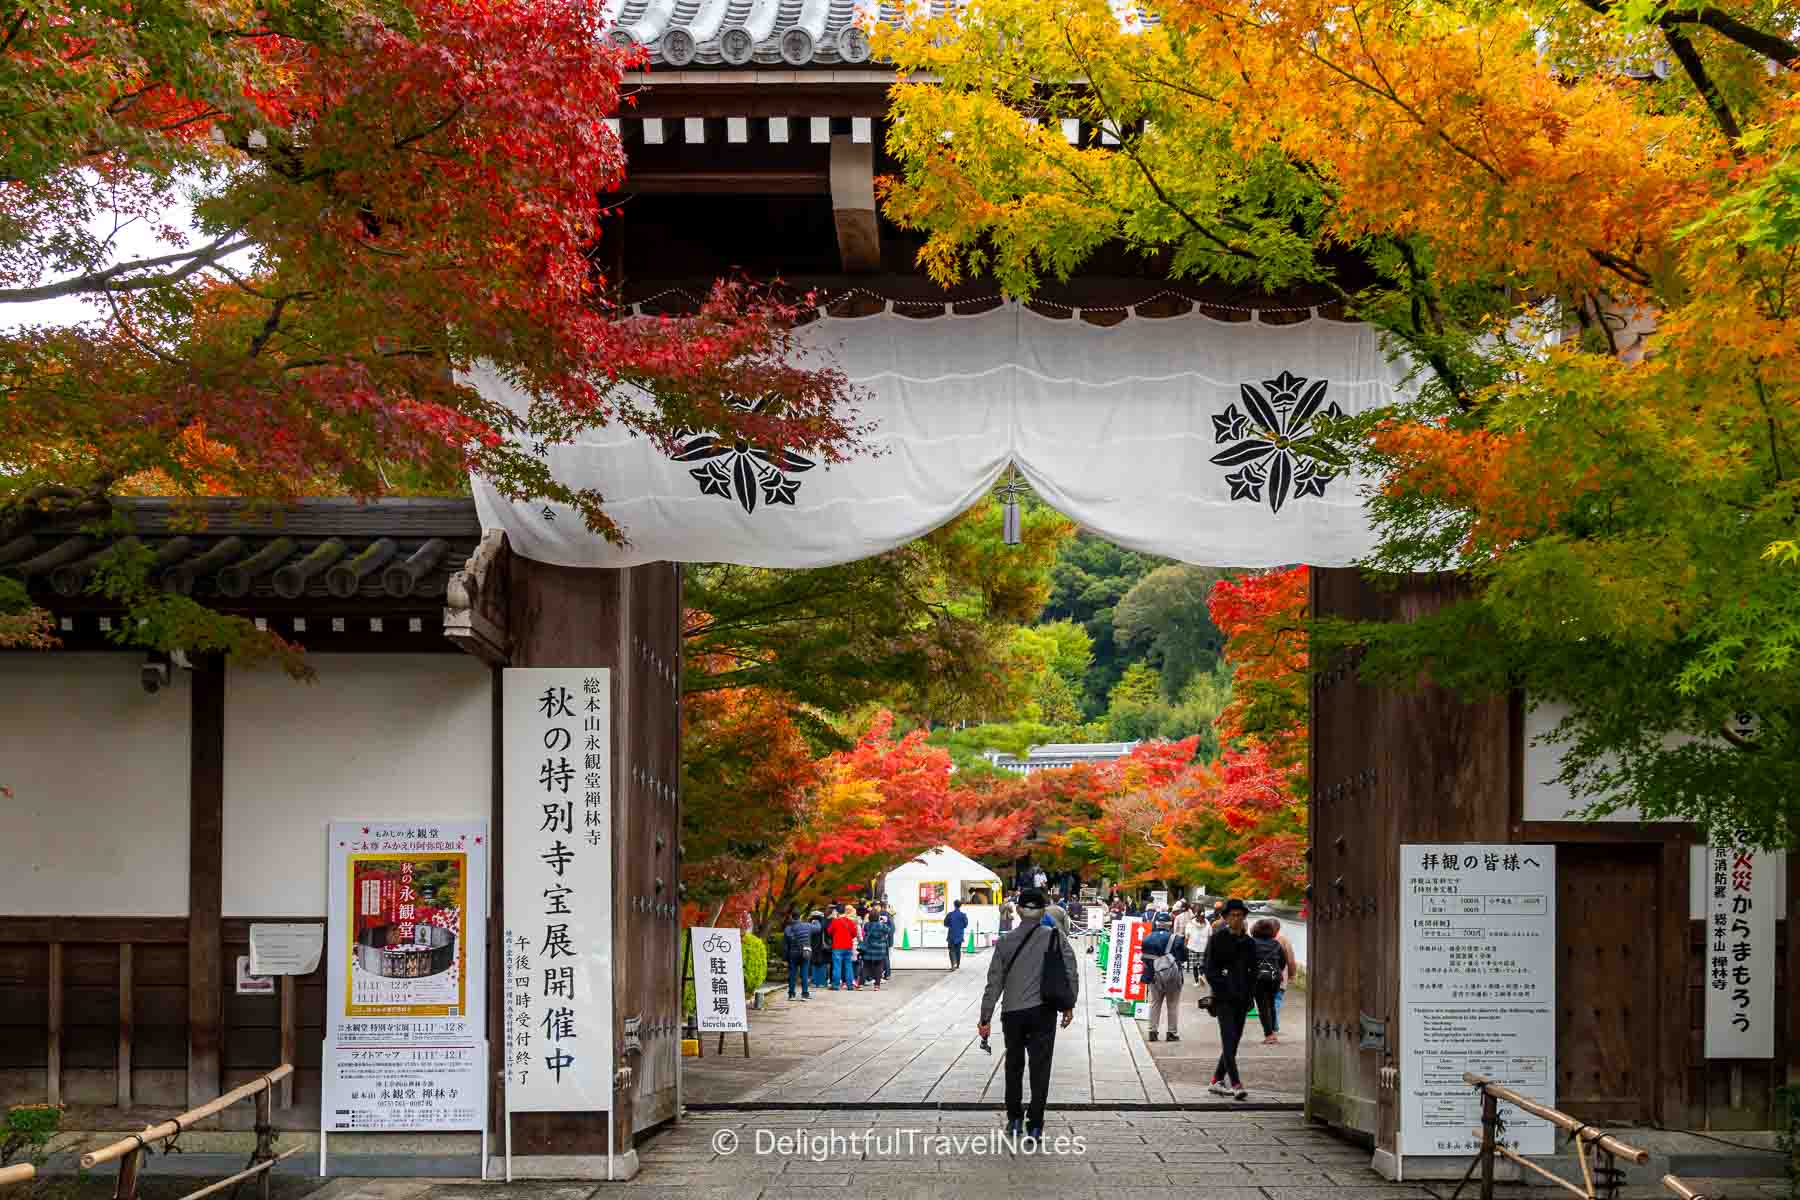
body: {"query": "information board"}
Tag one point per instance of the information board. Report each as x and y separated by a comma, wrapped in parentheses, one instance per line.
(405, 1040)
(1741, 907)
(1477, 992)
(558, 981)
(719, 980)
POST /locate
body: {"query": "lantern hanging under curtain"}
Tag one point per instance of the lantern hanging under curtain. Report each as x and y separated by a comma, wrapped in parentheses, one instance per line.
(1012, 527)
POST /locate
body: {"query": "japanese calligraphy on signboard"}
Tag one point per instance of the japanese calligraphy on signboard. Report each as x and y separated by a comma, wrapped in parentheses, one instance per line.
(558, 969)
(405, 1045)
(1740, 953)
(719, 980)
(1118, 956)
(1134, 985)
(1477, 992)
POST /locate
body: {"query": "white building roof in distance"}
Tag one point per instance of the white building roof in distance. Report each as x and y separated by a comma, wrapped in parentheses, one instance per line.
(1061, 754)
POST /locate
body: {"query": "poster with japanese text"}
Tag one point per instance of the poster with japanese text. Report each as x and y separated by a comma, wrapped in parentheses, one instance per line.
(558, 968)
(719, 980)
(1118, 956)
(405, 1045)
(934, 898)
(1134, 985)
(1477, 992)
(1741, 907)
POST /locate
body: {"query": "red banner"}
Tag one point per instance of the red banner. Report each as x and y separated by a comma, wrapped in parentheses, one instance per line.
(1135, 988)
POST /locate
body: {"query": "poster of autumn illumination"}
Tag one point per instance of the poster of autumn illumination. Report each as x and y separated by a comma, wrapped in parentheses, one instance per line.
(407, 934)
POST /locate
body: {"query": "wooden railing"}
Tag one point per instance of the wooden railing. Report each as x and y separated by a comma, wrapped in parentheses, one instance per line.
(129, 1151)
(1600, 1177)
(1681, 1190)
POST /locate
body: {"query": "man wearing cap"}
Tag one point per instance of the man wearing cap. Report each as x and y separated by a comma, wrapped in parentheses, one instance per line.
(1027, 1020)
(1230, 967)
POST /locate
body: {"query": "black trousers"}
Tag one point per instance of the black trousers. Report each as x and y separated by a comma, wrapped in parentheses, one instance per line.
(1030, 1035)
(1265, 1007)
(955, 953)
(1231, 1015)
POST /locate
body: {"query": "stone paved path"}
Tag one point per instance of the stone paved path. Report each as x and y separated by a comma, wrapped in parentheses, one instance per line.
(927, 1052)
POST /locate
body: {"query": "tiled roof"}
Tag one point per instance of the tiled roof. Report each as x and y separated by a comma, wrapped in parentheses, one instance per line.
(233, 556)
(776, 33)
(739, 33)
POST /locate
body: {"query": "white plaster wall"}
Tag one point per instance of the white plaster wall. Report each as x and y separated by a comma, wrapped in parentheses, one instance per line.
(1545, 799)
(378, 736)
(97, 824)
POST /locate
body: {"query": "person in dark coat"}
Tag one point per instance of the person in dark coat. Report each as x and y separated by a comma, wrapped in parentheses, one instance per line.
(956, 923)
(821, 955)
(877, 941)
(1230, 968)
(1266, 975)
(797, 939)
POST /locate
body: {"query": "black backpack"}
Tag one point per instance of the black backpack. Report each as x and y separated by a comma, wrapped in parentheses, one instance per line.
(1269, 961)
(1053, 985)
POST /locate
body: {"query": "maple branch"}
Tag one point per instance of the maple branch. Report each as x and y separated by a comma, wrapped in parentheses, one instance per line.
(1762, 397)
(270, 325)
(1766, 44)
(108, 279)
(1130, 150)
(1434, 357)
(432, 128)
(1690, 61)
(1393, 97)
(1625, 268)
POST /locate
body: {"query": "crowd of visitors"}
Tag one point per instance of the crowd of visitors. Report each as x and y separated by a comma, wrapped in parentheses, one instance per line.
(846, 950)
(1245, 964)
(1246, 967)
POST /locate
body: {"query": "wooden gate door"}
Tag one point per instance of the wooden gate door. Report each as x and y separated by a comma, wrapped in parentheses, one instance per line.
(649, 881)
(1608, 983)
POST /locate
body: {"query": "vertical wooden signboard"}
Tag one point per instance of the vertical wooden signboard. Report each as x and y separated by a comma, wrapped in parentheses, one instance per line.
(557, 923)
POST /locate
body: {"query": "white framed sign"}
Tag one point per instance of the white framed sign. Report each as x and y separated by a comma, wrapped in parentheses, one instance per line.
(1477, 992)
(719, 980)
(558, 983)
(288, 949)
(406, 977)
(1741, 904)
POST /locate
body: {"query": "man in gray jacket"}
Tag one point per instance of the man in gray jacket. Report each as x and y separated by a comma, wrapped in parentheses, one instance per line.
(1028, 1022)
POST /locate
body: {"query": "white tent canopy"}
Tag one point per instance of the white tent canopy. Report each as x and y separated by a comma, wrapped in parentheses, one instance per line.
(922, 892)
(1174, 436)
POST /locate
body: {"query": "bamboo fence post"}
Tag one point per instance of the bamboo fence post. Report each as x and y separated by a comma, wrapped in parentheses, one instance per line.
(265, 1136)
(1490, 1117)
(125, 1187)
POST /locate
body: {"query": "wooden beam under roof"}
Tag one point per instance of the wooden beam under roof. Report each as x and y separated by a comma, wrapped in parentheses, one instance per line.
(853, 204)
